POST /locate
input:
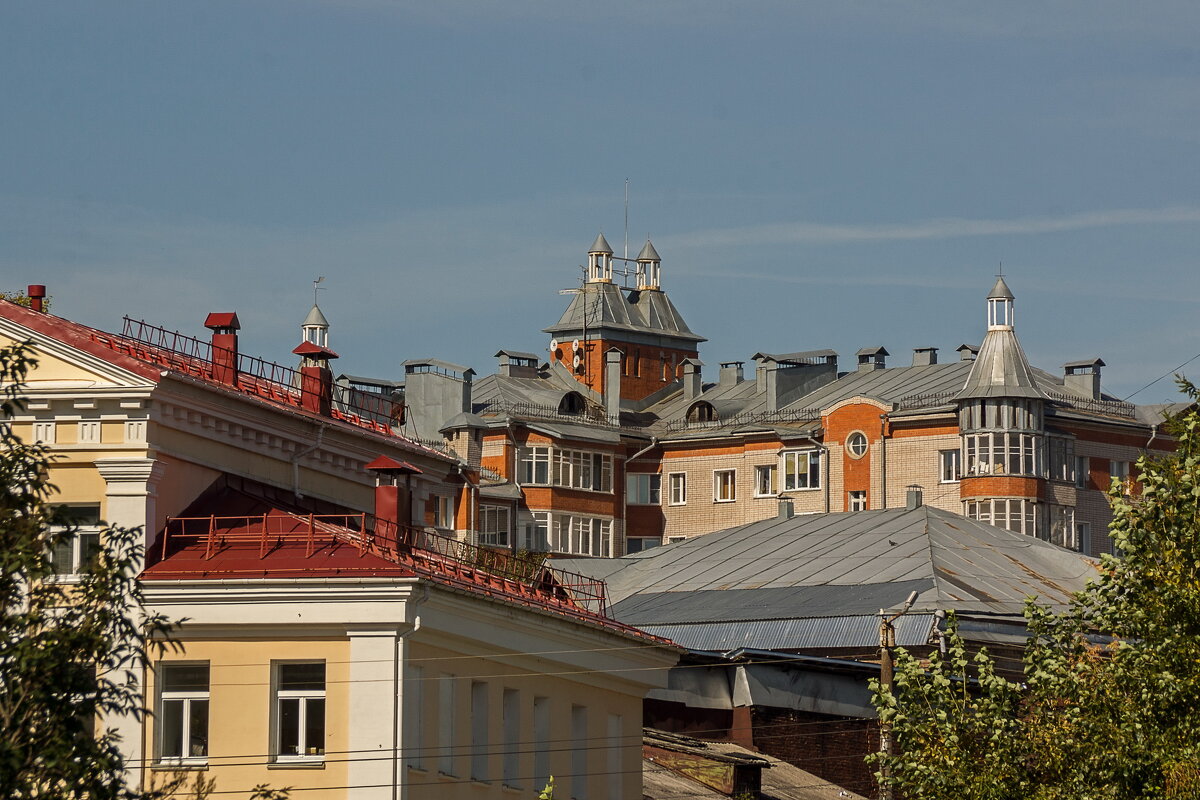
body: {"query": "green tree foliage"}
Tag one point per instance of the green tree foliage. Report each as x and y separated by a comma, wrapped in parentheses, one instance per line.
(69, 652)
(1110, 701)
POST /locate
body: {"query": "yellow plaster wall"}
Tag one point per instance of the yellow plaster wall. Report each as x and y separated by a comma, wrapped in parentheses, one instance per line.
(429, 783)
(50, 368)
(240, 712)
(181, 484)
(78, 482)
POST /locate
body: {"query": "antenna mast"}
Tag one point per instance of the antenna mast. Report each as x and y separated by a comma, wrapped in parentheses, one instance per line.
(627, 219)
(317, 287)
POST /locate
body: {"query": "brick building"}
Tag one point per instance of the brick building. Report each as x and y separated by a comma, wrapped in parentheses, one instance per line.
(615, 443)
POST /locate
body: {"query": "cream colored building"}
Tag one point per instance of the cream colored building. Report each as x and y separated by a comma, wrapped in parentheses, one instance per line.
(377, 681)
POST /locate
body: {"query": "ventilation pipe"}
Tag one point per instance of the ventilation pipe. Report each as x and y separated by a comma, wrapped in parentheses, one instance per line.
(316, 379)
(914, 497)
(37, 297)
(612, 384)
(693, 379)
(924, 356)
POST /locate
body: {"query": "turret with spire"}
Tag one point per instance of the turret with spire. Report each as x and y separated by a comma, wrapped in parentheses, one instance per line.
(1001, 423)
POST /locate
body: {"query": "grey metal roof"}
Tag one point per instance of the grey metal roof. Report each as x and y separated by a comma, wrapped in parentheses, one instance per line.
(315, 318)
(518, 354)
(1085, 362)
(463, 420)
(803, 357)
(850, 632)
(873, 351)
(1000, 369)
(648, 253)
(1000, 291)
(449, 366)
(842, 565)
(600, 245)
(603, 306)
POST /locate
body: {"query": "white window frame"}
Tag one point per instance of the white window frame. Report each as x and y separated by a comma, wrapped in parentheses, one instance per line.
(857, 444)
(534, 469)
(1016, 514)
(303, 696)
(443, 512)
(1083, 471)
(187, 697)
(578, 535)
(765, 480)
(724, 485)
(954, 466)
(677, 489)
(75, 543)
(494, 527)
(643, 488)
(804, 480)
(1083, 537)
(537, 532)
(856, 500)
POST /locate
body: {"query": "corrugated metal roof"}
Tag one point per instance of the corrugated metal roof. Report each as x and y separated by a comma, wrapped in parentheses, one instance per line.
(842, 565)
(818, 633)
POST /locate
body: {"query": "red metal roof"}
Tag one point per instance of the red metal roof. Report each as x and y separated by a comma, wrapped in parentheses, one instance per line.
(389, 464)
(219, 319)
(284, 544)
(309, 349)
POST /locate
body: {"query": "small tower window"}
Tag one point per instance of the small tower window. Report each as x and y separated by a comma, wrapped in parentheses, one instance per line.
(702, 412)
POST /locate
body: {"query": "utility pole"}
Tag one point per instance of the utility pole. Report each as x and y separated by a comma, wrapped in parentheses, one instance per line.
(887, 641)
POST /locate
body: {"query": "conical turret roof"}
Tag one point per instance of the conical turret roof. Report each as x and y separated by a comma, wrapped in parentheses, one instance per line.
(600, 245)
(1000, 291)
(315, 318)
(649, 253)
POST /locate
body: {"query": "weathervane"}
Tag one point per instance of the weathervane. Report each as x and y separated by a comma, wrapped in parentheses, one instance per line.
(317, 287)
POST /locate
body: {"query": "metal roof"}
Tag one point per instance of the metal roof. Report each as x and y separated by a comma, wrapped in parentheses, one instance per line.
(648, 253)
(1000, 291)
(1000, 369)
(842, 565)
(315, 318)
(600, 245)
(603, 306)
(1085, 362)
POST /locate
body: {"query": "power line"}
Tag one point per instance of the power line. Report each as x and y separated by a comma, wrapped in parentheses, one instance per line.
(1160, 377)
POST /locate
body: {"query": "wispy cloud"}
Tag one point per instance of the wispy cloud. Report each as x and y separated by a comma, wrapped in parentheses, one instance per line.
(934, 229)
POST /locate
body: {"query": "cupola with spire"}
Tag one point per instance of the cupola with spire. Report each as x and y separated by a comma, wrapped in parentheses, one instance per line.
(600, 261)
(649, 268)
(1001, 422)
(315, 328)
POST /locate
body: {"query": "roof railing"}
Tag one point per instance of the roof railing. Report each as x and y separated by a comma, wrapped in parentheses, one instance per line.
(783, 417)
(425, 551)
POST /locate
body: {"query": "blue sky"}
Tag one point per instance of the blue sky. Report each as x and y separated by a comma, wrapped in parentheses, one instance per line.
(814, 174)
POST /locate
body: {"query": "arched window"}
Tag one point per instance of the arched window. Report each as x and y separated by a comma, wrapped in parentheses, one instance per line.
(702, 411)
(571, 403)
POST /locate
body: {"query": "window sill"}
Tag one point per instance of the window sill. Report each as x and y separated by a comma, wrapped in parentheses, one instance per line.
(804, 489)
(957, 480)
(481, 783)
(314, 763)
(508, 788)
(417, 770)
(731, 500)
(178, 766)
(766, 497)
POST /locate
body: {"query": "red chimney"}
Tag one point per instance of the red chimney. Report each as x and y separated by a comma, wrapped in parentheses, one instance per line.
(36, 292)
(316, 379)
(224, 346)
(392, 509)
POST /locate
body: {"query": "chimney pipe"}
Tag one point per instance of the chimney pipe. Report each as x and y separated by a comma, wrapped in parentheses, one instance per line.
(612, 384)
(693, 380)
(924, 356)
(786, 508)
(393, 507)
(224, 327)
(37, 293)
(731, 373)
(316, 379)
(914, 498)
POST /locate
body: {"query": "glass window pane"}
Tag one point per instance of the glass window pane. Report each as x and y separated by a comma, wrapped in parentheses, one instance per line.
(89, 547)
(289, 726)
(185, 677)
(198, 729)
(314, 726)
(60, 556)
(171, 724)
(302, 676)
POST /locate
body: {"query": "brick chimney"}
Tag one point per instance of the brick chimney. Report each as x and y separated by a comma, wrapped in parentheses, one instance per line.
(393, 507)
(37, 296)
(316, 379)
(224, 327)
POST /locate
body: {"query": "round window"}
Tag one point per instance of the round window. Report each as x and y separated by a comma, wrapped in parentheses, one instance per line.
(856, 443)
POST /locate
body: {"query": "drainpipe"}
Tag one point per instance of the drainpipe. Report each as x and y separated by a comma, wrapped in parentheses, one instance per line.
(883, 420)
(472, 512)
(1153, 433)
(400, 790)
(295, 459)
(625, 492)
(825, 459)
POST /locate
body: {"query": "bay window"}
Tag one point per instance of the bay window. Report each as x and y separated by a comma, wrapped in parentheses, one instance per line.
(801, 470)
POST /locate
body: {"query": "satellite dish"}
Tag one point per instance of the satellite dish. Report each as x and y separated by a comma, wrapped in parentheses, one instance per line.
(575, 345)
(577, 362)
(553, 345)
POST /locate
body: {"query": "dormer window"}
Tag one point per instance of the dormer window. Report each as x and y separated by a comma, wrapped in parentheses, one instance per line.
(702, 412)
(571, 403)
